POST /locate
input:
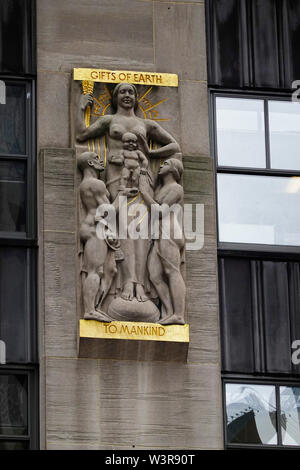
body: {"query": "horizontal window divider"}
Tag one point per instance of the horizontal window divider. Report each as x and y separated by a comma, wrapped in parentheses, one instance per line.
(18, 78)
(261, 379)
(250, 93)
(14, 437)
(253, 247)
(257, 171)
(12, 156)
(261, 447)
(255, 254)
(21, 368)
(18, 241)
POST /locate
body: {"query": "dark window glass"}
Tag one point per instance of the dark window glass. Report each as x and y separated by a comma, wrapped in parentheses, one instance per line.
(290, 415)
(12, 196)
(14, 445)
(251, 414)
(17, 32)
(15, 327)
(13, 120)
(13, 404)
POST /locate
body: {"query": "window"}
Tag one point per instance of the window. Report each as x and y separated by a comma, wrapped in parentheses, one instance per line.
(284, 119)
(18, 222)
(241, 132)
(262, 415)
(18, 395)
(17, 161)
(18, 228)
(18, 254)
(258, 164)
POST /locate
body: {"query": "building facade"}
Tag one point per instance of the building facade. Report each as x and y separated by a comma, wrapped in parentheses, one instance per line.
(237, 122)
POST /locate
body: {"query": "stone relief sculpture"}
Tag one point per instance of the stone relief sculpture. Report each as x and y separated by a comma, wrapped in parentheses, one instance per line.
(124, 277)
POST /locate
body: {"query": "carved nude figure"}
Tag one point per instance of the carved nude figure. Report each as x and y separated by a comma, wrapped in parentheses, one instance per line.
(165, 256)
(125, 102)
(97, 264)
(132, 160)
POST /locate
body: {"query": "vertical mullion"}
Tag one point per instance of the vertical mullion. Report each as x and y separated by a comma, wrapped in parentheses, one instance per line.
(278, 415)
(34, 408)
(225, 434)
(30, 408)
(267, 133)
(29, 158)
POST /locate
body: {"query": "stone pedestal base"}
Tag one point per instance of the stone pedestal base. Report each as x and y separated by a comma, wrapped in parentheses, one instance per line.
(133, 341)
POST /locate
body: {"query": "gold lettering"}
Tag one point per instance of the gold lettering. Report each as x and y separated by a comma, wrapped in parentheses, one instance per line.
(141, 78)
(122, 76)
(133, 330)
(113, 75)
(112, 329)
(136, 77)
(148, 78)
(154, 330)
(146, 330)
(163, 331)
(124, 329)
(158, 79)
(140, 330)
(94, 75)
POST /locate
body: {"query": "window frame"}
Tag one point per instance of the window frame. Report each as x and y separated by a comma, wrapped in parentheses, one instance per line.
(32, 374)
(256, 249)
(28, 238)
(250, 380)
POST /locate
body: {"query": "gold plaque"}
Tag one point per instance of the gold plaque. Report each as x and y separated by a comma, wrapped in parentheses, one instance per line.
(134, 331)
(127, 76)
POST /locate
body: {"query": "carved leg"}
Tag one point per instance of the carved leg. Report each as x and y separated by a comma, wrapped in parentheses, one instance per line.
(90, 288)
(156, 277)
(140, 293)
(128, 291)
(135, 176)
(141, 254)
(95, 252)
(128, 268)
(124, 178)
(170, 258)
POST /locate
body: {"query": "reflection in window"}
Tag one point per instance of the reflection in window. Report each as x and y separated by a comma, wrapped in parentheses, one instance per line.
(240, 132)
(259, 209)
(251, 414)
(12, 196)
(13, 405)
(284, 118)
(290, 415)
(13, 121)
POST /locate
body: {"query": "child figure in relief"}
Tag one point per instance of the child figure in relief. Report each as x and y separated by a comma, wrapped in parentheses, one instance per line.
(134, 161)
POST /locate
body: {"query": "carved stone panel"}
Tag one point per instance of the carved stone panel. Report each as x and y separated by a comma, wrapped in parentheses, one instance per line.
(131, 238)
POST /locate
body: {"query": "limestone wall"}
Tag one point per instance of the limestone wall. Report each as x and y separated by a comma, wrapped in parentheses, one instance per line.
(90, 403)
